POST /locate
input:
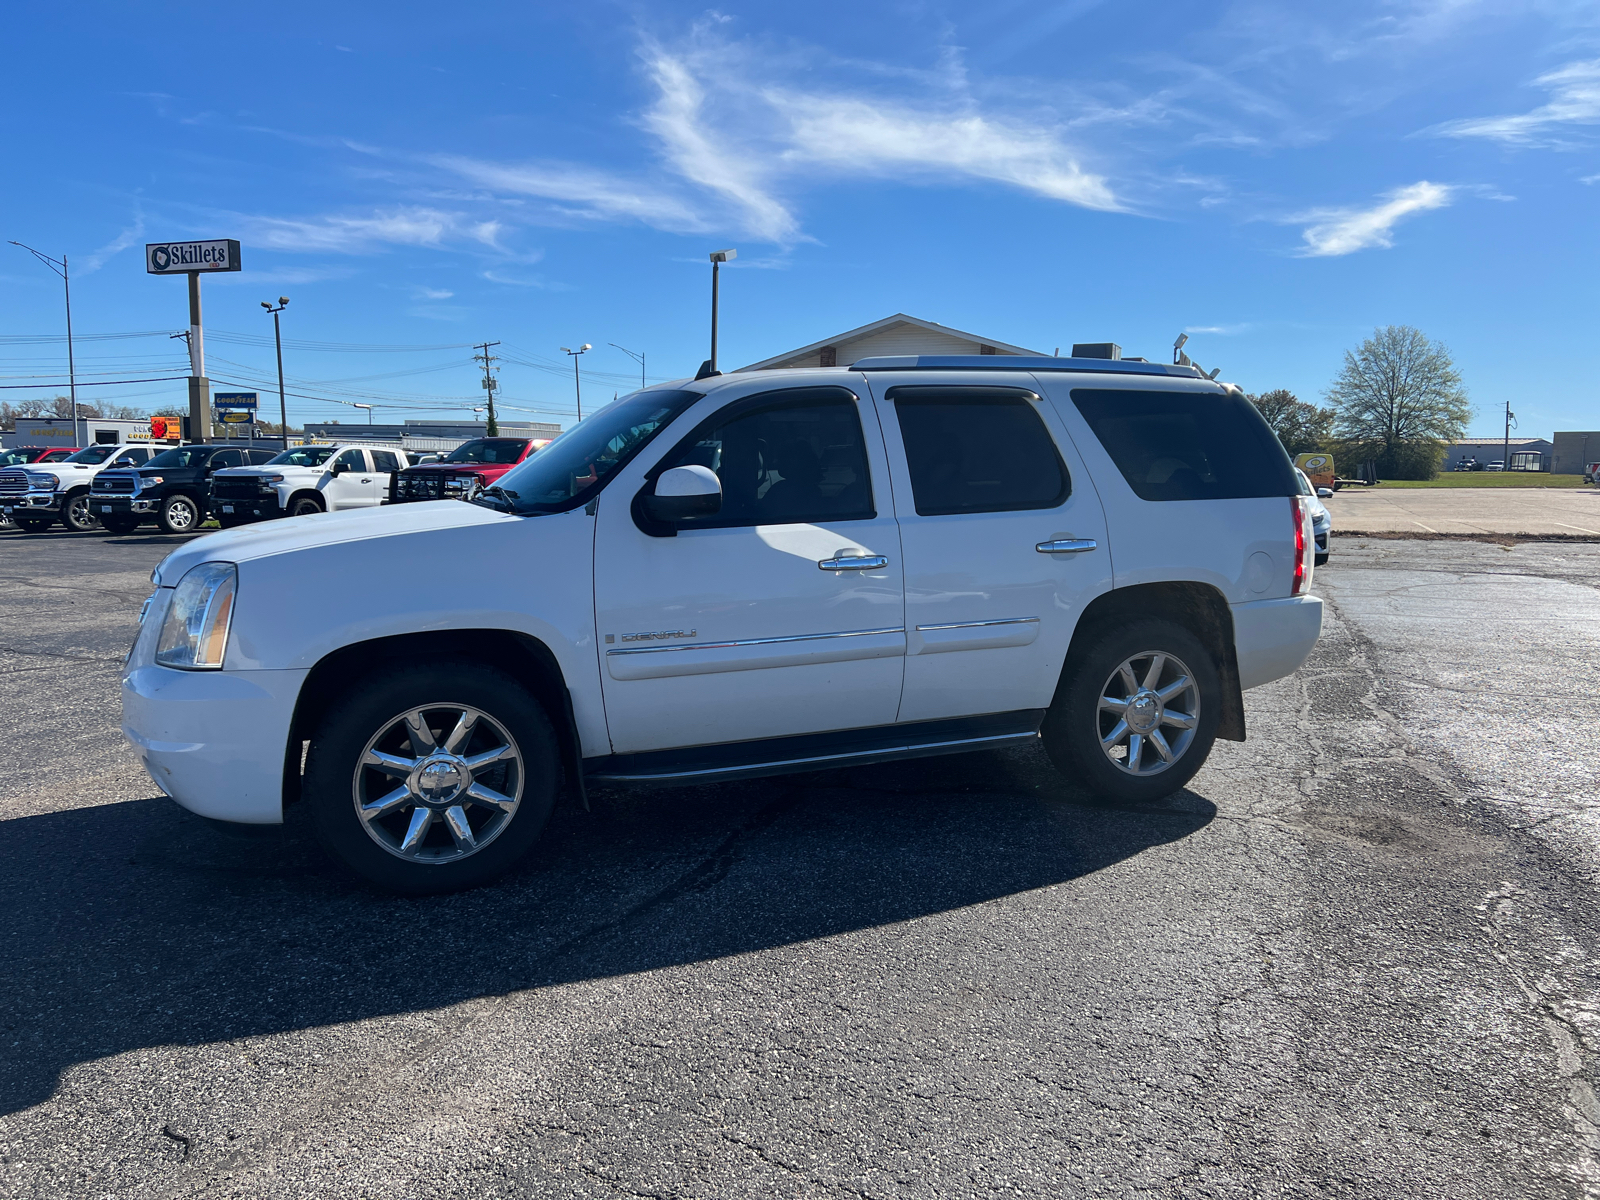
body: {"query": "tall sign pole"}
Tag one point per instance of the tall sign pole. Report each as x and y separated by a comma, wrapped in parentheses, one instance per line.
(194, 259)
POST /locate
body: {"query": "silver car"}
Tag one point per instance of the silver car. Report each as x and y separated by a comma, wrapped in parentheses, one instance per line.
(1321, 522)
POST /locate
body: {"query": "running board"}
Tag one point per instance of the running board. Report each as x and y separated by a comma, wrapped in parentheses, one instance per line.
(815, 751)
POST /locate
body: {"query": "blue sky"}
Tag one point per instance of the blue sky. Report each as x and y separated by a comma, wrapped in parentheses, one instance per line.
(1274, 178)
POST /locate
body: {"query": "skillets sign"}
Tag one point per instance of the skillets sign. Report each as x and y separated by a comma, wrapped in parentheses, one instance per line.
(177, 258)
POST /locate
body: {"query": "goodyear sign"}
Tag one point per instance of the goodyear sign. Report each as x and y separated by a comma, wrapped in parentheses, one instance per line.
(235, 408)
(177, 258)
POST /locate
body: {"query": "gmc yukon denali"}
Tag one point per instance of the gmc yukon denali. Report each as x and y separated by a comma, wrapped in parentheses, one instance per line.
(743, 575)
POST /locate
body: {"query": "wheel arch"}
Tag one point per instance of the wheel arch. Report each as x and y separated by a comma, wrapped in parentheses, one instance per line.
(306, 493)
(526, 658)
(1199, 608)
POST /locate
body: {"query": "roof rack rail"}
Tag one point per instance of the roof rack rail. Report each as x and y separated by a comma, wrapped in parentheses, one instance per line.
(1020, 362)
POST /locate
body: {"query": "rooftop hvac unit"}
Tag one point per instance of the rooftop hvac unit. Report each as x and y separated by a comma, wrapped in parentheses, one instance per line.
(1097, 350)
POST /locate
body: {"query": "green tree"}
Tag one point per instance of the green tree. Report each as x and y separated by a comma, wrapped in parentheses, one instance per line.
(1399, 400)
(1301, 427)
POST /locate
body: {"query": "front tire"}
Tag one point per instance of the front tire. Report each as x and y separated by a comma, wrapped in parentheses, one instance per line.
(304, 506)
(179, 514)
(1136, 712)
(76, 514)
(432, 777)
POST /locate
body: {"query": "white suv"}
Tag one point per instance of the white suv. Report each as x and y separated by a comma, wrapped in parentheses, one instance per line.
(745, 575)
(305, 480)
(35, 496)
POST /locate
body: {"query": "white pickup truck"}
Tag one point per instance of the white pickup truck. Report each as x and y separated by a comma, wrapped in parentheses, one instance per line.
(742, 575)
(37, 495)
(305, 480)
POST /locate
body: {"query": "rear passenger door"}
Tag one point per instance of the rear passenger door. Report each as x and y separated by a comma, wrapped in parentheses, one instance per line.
(1002, 534)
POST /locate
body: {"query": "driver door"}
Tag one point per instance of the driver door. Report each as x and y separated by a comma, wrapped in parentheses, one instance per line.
(734, 627)
(351, 485)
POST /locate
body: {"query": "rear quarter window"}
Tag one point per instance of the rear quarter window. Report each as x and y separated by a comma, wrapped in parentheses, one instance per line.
(1172, 445)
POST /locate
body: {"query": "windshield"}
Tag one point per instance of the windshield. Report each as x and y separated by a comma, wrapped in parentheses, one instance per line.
(182, 456)
(574, 467)
(489, 450)
(94, 454)
(303, 456)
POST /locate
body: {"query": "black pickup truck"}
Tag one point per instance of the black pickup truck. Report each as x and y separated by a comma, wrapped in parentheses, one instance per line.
(173, 488)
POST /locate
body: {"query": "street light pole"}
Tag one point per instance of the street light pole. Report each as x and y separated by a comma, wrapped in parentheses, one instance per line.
(718, 257)
(491, 427)
(636, 355)
(59, 266)
(368, 407)
(577, 387)
(277, 338)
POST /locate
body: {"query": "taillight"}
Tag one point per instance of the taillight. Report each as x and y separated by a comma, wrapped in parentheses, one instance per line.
(1302, 548)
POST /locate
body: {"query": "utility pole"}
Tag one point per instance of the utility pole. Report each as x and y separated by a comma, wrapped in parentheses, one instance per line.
(489, 383)
(59, 266)
(1505, 461)
(577, 387)
(277, 339)
(718, 257)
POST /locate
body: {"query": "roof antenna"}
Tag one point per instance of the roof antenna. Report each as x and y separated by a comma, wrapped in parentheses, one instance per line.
(706, 371)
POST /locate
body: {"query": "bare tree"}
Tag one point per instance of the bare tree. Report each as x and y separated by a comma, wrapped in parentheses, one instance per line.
(1301, 427)
(1400, 400)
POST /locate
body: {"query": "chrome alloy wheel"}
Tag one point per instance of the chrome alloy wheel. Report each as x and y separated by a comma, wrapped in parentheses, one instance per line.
(438, 783)
(1148, 712)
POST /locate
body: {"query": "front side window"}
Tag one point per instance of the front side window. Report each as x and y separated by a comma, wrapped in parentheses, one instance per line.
(182, 456)
(94, 454)
(351, 460)
(225, 458)
(132, 458)
(1172, 445)
(302, 456)
(978, 449)
(792, 457)
(576, 466)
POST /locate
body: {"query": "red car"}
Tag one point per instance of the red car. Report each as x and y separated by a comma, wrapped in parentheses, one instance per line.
(465, 472)
(24, 456)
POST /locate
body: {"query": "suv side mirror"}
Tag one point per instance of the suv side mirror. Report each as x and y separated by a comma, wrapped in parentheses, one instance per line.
(338, 468)
(1324, 493)
(684, 492)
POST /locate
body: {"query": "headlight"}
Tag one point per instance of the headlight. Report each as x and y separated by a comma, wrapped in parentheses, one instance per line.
(266, 479)
(150, 480)
(39, 479)
(195, 633)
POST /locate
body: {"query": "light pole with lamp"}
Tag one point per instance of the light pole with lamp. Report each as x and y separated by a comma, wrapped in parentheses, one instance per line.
(637, 356)
(718, 257)
(277, 339)
(368, 407)
(577, 388)
(59, 266)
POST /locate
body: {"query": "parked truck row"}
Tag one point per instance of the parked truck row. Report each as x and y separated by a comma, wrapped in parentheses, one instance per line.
(117, 488)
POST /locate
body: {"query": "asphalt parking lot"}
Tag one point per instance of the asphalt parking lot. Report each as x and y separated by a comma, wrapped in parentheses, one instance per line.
(1356, 958)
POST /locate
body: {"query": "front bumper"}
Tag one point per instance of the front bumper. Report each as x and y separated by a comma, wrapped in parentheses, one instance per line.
(254, 508)
(33, 504)
(121, 505)
(1273, 637)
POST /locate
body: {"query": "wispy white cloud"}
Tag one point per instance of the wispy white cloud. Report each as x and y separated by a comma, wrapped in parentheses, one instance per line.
(91, 263)
(346, 234)
(1221, 330)
(1574, 100)
(584, 192)
(1337, 231)
(428, 293)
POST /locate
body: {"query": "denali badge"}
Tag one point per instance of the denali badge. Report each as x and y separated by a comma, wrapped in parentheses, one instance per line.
(665, 633)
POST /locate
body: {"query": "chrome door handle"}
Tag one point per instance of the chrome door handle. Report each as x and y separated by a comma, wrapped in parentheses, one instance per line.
(1067, 546)
(855, 562)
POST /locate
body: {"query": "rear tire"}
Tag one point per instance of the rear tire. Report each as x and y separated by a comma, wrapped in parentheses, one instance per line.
(1134, 744)
(119, 525)
(180, 514)
(304, 506)
(464, 839)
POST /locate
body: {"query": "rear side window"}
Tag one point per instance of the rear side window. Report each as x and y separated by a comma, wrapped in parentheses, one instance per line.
(974, 450)
(1172, 445)
(384, 460)
(783, 458)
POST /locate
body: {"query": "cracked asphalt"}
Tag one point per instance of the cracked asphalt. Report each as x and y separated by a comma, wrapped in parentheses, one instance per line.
(1356, 958)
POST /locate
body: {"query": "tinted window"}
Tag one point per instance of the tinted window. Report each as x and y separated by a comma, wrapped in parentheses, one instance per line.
(257, 457)
(225, 458)
(489, 450)
(384, 460)
(577, 464)
(1188, 445)
(302, 456)
(351, 460)
(94, 454)
(974, 450)
(182, 456)
(54, 456)
(131, 458)
(783, 458)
